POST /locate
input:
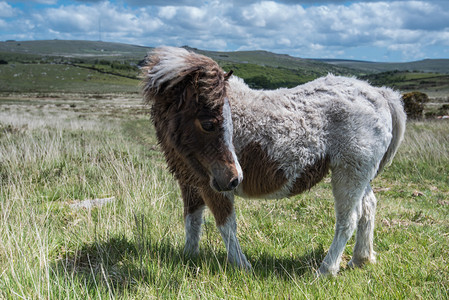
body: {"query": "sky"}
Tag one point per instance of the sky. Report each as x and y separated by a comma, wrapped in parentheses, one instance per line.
(390, 31)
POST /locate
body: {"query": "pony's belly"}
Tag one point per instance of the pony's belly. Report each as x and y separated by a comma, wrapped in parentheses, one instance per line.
(281, 192)
(265, 178)
(261, 175)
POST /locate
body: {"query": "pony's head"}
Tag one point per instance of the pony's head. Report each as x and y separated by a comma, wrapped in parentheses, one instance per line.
(192, 115)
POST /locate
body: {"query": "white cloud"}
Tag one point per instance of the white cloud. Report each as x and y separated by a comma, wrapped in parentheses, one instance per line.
(167, 12)
(6, 10)
(265, 14)
(329, 28)
(71, 19)
(85, 21)
(410, 51)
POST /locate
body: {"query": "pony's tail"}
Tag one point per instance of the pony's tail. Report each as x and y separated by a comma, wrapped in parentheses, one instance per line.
(398, 118)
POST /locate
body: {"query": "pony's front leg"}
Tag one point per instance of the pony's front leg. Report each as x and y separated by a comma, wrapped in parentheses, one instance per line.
(222, 207)
(193, 217)
(229, 234)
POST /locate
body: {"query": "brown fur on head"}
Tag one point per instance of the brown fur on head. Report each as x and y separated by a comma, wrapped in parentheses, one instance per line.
(170, 69)
(187, 92)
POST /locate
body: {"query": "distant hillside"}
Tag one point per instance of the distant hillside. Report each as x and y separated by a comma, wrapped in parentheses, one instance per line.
(77, 48)
(73, 48)
(269, 59)
(259, 69)
(427, 65)
(434, 85)
(70, 48)
(263, 69)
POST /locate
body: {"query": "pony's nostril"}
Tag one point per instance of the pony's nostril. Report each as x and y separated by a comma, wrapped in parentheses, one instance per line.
(234, 183)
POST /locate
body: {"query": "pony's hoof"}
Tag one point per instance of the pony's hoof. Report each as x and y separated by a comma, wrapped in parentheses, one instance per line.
(191, 252)
(246, 267)
(324, 271)
(360, 262)
(352, 264)
(242, 263)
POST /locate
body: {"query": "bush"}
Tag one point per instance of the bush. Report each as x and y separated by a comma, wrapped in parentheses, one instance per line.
(444, 110)
(414, 104)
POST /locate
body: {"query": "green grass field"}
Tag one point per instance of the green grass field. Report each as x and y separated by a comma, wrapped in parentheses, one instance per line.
(61, 78)
(59, 149)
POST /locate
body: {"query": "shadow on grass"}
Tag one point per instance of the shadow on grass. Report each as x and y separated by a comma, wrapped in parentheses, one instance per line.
(116, 266)
(269, 265)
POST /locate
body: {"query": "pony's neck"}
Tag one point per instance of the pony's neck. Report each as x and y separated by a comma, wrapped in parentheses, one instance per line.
(240, 92)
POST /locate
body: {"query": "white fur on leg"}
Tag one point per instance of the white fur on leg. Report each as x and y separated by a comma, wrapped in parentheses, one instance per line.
(363, 249)
(228, 233)
(348, 206)
(193, 224)
(343, 231)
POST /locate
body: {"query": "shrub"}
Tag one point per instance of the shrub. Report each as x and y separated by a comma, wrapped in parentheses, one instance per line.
(444, 110)
(414, 104)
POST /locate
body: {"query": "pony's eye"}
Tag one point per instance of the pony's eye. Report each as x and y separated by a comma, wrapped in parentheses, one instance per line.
(208, 126)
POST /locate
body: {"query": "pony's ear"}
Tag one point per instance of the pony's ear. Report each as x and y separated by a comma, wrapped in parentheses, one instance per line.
(228, 75)
(190, 94)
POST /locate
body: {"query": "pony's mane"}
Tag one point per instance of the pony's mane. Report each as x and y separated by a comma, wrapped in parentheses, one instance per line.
(169, 66)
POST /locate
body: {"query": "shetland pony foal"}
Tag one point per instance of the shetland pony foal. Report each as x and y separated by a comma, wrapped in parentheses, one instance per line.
(221, 138)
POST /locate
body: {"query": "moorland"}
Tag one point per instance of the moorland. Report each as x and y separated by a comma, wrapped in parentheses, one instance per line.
(73, 130)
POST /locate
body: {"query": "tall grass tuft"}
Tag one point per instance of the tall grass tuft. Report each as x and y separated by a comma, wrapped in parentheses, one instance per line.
(424, 155)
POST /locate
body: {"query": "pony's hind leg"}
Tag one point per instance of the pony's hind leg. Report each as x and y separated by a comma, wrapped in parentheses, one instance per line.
(363, 249)
(222, 207)
(348, 190)
(193, 217)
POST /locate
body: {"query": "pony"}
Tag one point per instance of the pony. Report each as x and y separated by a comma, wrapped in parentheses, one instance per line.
(221, 138)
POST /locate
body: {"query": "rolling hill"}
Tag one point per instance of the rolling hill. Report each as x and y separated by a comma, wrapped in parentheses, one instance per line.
(426, 65)
(118, 62)
(98, 49)
(71, 48)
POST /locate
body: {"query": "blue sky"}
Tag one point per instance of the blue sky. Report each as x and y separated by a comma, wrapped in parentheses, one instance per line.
(364, 30)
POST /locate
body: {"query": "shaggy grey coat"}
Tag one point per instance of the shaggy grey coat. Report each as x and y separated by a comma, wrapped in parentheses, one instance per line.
(344, 119)
(354, 127)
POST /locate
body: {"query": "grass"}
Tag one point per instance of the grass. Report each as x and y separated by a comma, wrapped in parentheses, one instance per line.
(61, 78)
(63, 148)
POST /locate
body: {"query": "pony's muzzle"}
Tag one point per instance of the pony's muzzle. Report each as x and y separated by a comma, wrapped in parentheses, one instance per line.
(225, 187)
(225, 178)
